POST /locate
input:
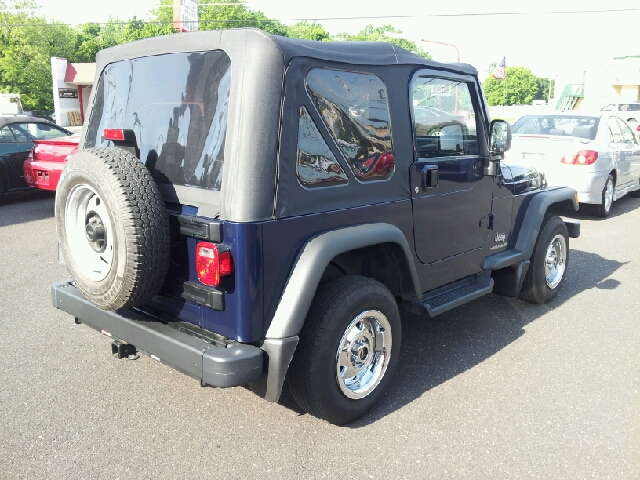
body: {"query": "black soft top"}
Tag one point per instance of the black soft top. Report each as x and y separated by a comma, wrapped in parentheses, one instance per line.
(259, 64)
(356, 53)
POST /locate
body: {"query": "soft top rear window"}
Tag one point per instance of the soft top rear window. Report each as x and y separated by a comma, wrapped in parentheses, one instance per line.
(177, 105)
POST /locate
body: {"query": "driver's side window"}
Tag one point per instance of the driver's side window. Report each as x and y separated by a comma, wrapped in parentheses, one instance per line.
(444, 119)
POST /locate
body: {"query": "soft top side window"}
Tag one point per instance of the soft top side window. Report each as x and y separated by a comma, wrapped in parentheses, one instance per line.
(316, 165)
(444, 119)
(355, 109)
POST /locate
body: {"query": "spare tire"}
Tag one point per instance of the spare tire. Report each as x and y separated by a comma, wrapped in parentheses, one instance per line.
(112, 226)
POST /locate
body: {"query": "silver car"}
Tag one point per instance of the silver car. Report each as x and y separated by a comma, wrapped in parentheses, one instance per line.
(597, 155)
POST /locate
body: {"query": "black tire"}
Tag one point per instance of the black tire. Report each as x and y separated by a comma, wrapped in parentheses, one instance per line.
(604, 208)
(134, 240)
(313, 374)
(536, 287)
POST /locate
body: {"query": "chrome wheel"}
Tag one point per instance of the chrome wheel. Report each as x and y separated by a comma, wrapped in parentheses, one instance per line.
(607, 199)
(555, 261)
(363, 354)
(89, 230)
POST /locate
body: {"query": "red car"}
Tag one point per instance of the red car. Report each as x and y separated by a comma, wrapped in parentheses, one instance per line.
(46, 161)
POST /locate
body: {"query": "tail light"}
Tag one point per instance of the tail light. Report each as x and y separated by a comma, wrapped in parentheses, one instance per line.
(212, 263)
(583, 157)
(114, 134)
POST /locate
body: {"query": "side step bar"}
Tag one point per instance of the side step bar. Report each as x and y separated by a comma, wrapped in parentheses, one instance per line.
(450, 296)
(214, 364)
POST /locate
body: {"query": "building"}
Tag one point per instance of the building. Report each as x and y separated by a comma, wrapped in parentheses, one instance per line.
(72, 83)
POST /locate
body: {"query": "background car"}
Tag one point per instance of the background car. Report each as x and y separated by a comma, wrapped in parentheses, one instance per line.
(17, 133)
(628, 111)
(44, 165)
(597, 155)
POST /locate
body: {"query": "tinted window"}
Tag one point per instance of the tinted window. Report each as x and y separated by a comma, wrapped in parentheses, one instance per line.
(355, 109)
(316, 165)
(557, 125)
(443, 118)
(6, 136)
(177, 105)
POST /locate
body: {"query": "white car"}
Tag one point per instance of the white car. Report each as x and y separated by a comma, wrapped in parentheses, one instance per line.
(628, 111)
(597, 155)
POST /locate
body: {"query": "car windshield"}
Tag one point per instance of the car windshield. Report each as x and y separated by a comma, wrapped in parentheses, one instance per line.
(557, 125)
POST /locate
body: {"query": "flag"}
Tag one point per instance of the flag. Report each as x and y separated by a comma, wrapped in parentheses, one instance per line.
(499, 72)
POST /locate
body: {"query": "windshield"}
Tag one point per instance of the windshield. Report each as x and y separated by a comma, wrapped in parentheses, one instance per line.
(177, 106)
(557, 125)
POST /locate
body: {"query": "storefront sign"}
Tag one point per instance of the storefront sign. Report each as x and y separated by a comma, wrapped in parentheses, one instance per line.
(68, 93)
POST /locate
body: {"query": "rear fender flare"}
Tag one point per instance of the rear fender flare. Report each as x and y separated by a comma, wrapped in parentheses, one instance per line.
(312, 260)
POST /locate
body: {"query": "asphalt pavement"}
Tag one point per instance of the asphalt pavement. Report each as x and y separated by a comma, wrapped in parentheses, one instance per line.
(494, 389)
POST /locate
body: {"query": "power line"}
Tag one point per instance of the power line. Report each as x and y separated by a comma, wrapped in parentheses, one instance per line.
(327, 19)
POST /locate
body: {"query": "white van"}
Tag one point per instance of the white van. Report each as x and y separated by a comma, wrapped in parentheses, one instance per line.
(10, 104)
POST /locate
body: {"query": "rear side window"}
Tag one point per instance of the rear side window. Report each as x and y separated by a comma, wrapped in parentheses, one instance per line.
(443, 117)
(316, 165)
(177, 105)
(354, 108)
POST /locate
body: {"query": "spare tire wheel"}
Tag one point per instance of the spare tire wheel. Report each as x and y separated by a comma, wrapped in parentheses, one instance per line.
(112, 228)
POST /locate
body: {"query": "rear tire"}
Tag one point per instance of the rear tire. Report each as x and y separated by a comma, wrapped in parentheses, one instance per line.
(348, 349)
(548, 264)
(112, 227)
(604, 208)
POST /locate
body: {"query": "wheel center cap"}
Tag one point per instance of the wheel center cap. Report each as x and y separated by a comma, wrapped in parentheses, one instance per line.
(95, 231)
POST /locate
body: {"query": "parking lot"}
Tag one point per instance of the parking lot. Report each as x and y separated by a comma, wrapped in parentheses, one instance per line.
(494, 389)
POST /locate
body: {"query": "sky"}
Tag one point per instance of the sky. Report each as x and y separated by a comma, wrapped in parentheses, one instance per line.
(531, 36)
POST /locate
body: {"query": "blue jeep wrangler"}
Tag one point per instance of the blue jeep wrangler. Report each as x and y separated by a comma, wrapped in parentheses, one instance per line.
(248, 208)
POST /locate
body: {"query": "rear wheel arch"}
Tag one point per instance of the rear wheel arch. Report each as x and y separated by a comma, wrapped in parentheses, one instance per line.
(383, 262)
(318, 253)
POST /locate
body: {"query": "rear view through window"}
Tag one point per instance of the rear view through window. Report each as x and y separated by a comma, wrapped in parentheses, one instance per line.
(557, 125)
(177, 105)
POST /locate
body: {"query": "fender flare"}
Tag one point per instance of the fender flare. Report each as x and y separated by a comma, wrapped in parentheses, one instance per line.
(282, 338)
(312, 260)
(534, 216)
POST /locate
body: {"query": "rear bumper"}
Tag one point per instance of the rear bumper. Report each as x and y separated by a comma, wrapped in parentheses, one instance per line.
(217, 365)
(587, 183)
(44, 175)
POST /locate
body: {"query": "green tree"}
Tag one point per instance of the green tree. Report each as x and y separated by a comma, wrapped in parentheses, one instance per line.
(27, 43)
(379, 34)
(544, 84)
(308, 30)
(519, 87)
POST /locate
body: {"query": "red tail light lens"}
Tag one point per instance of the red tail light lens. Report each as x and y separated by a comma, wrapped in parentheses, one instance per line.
(583, 157)
(212, 264)
(114, 134)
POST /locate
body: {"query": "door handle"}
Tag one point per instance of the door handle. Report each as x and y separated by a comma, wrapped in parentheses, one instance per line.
(430, 177)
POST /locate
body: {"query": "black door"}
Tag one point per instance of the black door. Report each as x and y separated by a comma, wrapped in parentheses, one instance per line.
(451, 194)
(9, 157)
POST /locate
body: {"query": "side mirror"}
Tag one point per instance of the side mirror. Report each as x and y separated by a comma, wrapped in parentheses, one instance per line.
(499, 137)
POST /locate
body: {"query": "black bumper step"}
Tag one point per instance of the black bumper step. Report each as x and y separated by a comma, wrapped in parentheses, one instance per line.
(219, 366)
